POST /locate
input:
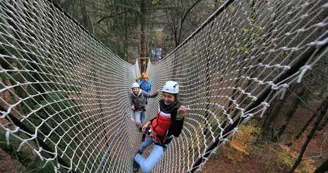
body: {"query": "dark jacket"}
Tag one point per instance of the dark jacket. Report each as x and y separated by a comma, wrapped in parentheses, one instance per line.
(139, 101)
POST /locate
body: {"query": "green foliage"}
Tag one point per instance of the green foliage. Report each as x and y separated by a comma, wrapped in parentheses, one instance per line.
(36, 167)
(44, 105)
(31, 162)
(117, 23)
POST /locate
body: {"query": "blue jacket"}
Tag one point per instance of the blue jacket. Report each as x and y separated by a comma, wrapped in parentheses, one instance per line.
(145, 86)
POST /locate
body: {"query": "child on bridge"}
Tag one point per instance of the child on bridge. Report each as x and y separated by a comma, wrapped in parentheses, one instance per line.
(145, 84)
(138, 103)
(167, 123)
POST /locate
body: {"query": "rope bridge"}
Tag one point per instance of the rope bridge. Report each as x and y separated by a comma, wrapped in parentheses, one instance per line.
(65, 96)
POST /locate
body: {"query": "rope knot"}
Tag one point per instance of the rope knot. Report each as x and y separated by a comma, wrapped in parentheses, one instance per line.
(235, 130)
(265, 107)
(304, 69)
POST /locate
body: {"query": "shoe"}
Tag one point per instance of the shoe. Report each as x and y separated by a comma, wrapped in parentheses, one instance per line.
(136, 166)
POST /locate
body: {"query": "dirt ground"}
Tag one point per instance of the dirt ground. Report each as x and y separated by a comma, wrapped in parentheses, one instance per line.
(252, 164)
(8, 165)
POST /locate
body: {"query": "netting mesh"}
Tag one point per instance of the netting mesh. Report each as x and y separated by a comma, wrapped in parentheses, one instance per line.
(68, 90)
(66, 96)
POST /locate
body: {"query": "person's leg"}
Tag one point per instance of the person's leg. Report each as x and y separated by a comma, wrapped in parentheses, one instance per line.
(145, 144)
(137, 115)
(148, 164)
(143, 120)
(143, 117)
(142, 148)
(137, 118)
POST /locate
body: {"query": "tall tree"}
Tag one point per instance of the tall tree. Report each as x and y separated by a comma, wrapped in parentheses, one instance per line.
(323, 110)
(116, 22)
(322, 168)
(177, 16)
(85, 17)
(142, 36)
(290, 112)
(323, 124)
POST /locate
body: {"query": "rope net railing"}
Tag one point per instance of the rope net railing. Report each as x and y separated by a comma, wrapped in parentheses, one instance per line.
(65, 96)
(229, 70)
(63, 93)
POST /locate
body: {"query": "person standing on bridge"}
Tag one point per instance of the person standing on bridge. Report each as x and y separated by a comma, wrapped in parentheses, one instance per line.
(145, 84)
(138, 103)
(161, 129)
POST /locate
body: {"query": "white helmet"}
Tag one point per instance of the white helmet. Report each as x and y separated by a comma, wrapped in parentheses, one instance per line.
(171, 87)
(135, 85)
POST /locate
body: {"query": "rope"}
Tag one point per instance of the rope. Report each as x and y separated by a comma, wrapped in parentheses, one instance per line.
(65, 96)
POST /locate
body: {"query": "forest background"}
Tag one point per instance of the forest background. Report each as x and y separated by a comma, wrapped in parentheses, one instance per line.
(291, 137)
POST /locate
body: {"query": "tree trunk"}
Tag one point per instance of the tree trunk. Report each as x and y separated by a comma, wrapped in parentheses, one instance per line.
(323, 110)
(126, 36)
(270, 117)
(142, 36)
(322, 91)
(85, 15)
(290, 113)
(323, 124)
(273, 114)
(306, 125)
(178, 41)
(56, 2)
(322, 168)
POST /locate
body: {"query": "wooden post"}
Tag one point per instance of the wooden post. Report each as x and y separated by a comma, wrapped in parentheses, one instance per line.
(143, 62)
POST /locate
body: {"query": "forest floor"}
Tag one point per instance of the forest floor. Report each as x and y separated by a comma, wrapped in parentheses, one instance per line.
(9, 165)
(252, 164)
(264, 157)
(264, 160)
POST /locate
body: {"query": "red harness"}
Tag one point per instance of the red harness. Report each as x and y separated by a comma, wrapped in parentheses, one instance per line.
(160, 126)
